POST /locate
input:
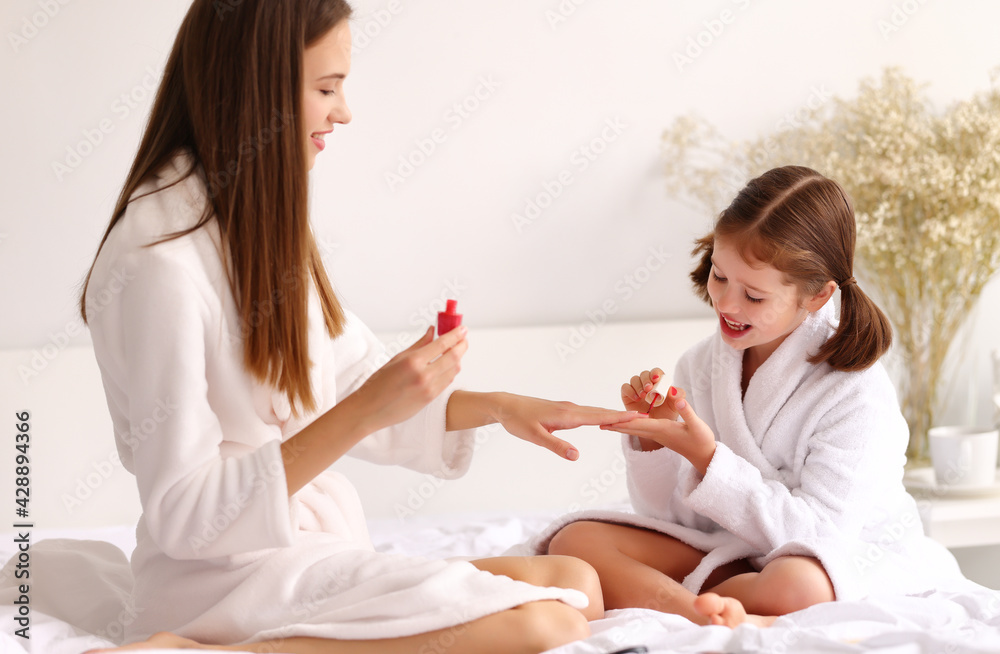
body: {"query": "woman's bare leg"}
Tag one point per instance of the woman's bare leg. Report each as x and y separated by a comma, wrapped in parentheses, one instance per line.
(559, 571)
(643, 568)
(529, 628)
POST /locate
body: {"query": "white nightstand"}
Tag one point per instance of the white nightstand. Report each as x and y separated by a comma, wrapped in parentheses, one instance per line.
(969, 527)
(961, 522)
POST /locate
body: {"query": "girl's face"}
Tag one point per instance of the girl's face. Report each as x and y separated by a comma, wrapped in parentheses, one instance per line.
(757, 308)
(325, 65)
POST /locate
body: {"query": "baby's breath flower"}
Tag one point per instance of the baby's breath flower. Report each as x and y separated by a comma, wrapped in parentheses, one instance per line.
(926, 191)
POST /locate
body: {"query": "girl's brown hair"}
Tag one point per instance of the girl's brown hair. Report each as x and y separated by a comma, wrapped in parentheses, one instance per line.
(802, 223)
(231, 95)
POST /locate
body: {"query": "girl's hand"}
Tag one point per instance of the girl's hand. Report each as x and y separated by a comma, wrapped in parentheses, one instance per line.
(411, 379)
(692, 438)
(635, 396)
(534, 420)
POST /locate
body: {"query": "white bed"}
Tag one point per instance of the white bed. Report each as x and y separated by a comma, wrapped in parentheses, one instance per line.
(958, 620)
(80, 492)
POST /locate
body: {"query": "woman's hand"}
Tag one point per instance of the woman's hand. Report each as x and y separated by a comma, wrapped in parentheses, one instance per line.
(692, 438)
(411, 379)
(534, 420)
(528, 418)
(396, 391)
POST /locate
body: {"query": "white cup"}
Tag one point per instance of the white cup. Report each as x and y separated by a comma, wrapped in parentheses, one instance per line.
(964, 456)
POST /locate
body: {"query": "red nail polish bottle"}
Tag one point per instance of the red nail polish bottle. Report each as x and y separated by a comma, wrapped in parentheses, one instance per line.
(449, 319)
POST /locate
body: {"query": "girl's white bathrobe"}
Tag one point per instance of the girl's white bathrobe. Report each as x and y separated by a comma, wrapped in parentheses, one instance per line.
(808, 462)
(223, 554)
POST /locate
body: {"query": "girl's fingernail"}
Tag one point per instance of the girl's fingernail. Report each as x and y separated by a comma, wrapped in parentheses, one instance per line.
(681, 405)
(673, 391)
(572, 455)
(654, 377)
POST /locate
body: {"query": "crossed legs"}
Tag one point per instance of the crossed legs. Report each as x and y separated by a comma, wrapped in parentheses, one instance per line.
(529, 628)
(642, 568)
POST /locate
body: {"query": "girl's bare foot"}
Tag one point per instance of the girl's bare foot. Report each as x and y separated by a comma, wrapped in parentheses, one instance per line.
(728, 611)
(162, 640)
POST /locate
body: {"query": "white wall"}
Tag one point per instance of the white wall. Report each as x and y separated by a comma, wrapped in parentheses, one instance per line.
(447, 228)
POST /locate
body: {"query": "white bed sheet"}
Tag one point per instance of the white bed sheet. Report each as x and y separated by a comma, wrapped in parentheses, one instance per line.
(960, 620)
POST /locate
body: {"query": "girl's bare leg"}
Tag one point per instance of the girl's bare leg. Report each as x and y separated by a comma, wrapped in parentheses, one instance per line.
(785, 585)
(529, 629)
(642, 568)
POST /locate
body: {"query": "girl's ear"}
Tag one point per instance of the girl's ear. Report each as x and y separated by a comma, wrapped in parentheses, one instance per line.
(816, 302)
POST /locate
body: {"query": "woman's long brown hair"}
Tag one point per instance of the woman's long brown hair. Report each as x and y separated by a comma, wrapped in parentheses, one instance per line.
(231, 95)
(802, 223)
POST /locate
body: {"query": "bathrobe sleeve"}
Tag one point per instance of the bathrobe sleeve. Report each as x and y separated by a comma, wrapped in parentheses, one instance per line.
(168, 326)
(419, 443)
(653, 477)
(834, 480)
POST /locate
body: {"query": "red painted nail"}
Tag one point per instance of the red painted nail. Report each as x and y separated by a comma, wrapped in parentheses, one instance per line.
(673, 391)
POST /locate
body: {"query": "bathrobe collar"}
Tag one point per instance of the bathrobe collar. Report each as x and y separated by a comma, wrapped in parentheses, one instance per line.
(774, 382)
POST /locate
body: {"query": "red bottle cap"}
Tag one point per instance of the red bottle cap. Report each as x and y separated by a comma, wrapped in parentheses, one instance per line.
(449, 319)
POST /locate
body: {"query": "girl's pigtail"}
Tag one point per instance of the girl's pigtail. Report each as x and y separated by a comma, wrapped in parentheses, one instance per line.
(863, 336)
(704, 247)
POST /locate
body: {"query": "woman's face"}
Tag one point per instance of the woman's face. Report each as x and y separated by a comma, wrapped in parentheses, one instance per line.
(325, 65)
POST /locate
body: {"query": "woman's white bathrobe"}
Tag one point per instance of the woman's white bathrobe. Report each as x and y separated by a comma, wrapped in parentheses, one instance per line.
(809, 461)
(223, 554)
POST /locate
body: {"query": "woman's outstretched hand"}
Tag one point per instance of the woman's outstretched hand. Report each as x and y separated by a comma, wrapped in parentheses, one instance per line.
(533, 420)
(411, 379)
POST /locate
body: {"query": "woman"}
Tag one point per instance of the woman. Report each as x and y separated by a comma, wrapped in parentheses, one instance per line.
(235, 379)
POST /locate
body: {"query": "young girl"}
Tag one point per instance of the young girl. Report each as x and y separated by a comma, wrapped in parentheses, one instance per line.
(235, 379)
(782, 485)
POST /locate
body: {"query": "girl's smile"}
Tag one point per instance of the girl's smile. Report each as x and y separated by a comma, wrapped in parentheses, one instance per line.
(757, 308)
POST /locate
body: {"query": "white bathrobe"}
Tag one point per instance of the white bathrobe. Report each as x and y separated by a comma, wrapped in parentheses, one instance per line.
(809, 462)
(223, 554)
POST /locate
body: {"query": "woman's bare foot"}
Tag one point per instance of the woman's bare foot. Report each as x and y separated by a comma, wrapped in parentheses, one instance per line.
(728, 611)
(162, 640)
